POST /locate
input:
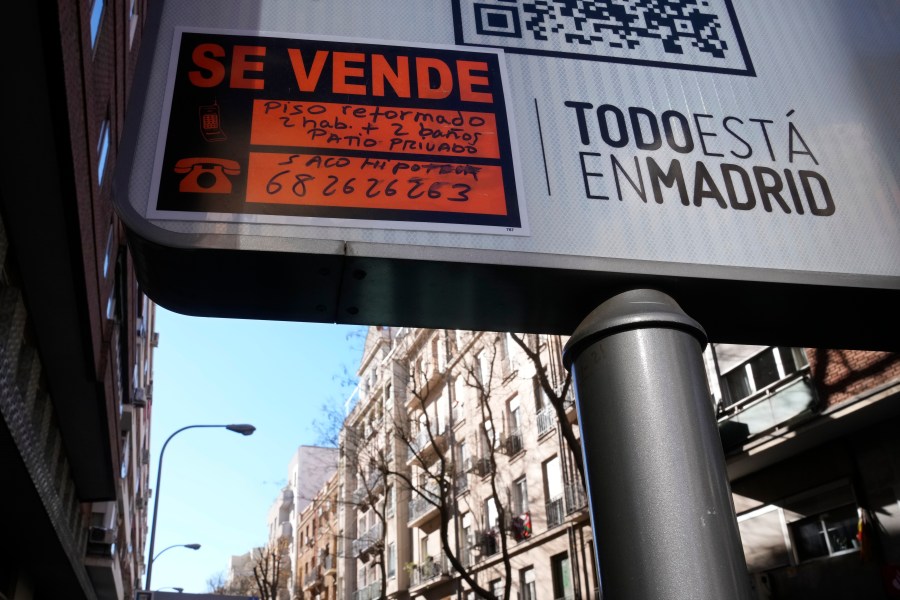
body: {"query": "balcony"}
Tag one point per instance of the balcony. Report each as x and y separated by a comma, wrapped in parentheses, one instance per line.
(424, 448)
(481, 466)
(370, 592)
(104, 570)
(569, 405)
(546, 420)
(555, 512)
(512, 443)
(287, 498)
(576, 498)
(286, 530)
(429, 572)
(778, 404)
(462, 483)
(312, 579)
(422, 505)
(368, 541)
(329, 564)
(359, 496)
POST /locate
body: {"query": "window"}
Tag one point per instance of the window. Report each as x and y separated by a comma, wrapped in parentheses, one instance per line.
(520, 496)
(484, 369)
(459, 401)
(111, 306)
(515, 414)
(392, 559)
(468, 539)
(491, 439)
(817, 524)
(762, 370)
(497, 588)
(103, 142)
(553, 487)
(527, 581)
(563, 586)
(96, 20)
(465, 460)
(514, 443)
(132, 21)
(491, 513)
(107, 256)
(826, 534)
(764, 539)
(389, 501)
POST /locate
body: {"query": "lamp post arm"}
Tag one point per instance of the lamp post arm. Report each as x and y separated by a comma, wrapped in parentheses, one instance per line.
(156, 497)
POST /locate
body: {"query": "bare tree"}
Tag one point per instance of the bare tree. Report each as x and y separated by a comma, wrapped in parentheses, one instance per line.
(557, 395)
(441, 473)
(416, 426)
(269, 563)
(264, 578)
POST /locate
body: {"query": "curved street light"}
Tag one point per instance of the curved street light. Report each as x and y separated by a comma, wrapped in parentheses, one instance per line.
(191, 546)
(242, 428)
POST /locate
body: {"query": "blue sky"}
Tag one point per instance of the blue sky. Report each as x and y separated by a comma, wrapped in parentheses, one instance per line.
(217, 486)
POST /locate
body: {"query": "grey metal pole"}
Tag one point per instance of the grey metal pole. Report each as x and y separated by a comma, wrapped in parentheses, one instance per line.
(661, 509)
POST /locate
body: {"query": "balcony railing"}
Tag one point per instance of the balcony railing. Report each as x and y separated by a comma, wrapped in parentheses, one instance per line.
(431, 569)
(312, 578)
(513, 442)
(367, 541)
(768, 408)
(423, 441)
(555, 512)
(329, 563)
(576, 499)
(370, 592)
(423, 502)
(546, 420)
(462, 483)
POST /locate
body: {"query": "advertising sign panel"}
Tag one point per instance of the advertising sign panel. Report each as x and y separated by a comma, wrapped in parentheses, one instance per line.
(328, 132)
(509, 164)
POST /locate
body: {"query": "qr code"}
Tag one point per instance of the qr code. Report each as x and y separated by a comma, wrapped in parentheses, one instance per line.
(688, 34)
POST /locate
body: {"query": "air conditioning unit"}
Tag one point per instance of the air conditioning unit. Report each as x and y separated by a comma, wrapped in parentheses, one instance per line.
(139, 397)
(154, 340)
(101, 535)
(126, 418)
(482, 466)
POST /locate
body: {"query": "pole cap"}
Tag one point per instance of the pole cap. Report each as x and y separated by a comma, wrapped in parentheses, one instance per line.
(634, 309)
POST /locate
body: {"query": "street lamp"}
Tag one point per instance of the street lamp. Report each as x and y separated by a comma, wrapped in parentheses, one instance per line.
(191, 546)
(180, 590)
(241, 428)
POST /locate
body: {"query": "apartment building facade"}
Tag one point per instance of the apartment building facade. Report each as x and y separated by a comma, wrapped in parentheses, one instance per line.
(317, 539)
(812, 442)
(809, 435)
(452, 433)
(77, 334)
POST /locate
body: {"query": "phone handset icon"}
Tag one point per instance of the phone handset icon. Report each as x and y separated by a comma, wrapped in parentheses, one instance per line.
(211, 123)
(206, 175)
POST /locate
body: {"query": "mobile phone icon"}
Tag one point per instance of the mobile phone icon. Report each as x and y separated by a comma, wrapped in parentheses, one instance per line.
(210, 123)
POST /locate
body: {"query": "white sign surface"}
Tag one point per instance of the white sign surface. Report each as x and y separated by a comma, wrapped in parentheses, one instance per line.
(664, 137)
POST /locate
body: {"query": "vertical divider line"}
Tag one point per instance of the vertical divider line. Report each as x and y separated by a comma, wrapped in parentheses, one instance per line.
(537, 113)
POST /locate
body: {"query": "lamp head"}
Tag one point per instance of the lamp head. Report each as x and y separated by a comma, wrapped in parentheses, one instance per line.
(192, 546)
(241, 428)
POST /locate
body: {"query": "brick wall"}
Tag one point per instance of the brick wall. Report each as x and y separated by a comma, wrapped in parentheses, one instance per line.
(839, 375)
